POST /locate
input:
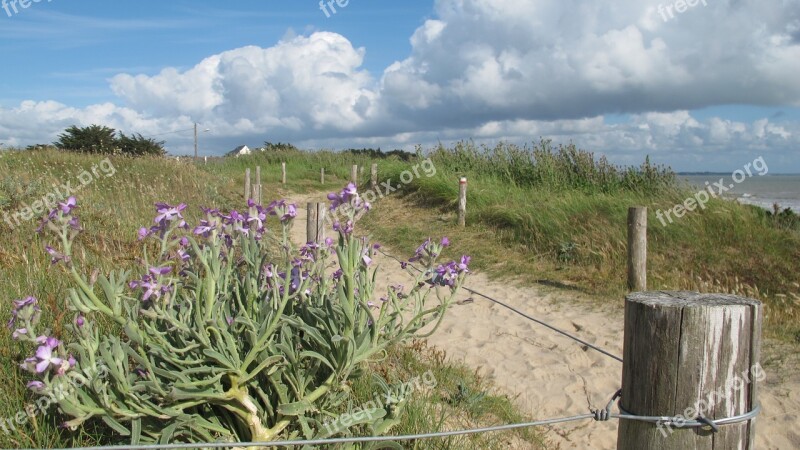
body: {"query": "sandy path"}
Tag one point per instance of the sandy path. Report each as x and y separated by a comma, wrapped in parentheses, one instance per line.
(551, 375)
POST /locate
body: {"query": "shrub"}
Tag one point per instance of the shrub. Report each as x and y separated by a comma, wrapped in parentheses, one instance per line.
(230, 333)
(104, 140)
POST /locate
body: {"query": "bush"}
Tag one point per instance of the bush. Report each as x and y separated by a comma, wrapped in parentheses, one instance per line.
(104, 140)
(230, 333)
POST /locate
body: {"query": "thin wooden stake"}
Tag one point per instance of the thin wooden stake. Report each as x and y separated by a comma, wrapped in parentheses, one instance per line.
(462, 202)
(283, 173)
(354, 175)
(373, 180)
(637, 249)
(322, 175)
(247, 191)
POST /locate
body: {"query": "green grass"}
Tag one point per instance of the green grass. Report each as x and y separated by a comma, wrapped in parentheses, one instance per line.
(557, 217)
(113, 208)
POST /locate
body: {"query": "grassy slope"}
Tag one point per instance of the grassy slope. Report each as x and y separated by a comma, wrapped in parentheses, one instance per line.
(114, 207)
(576, 236)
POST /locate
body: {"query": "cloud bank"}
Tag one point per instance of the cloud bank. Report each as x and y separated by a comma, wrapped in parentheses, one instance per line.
(488, 70)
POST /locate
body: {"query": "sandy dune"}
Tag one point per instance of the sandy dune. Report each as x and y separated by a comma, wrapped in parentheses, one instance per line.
(552, 376)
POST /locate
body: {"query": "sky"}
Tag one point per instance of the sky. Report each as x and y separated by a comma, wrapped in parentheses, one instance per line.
(699, 85)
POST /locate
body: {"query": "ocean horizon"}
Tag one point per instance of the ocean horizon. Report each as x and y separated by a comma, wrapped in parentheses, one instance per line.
(760, 190)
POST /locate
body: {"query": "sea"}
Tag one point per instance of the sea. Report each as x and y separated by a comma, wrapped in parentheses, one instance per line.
(764, 190)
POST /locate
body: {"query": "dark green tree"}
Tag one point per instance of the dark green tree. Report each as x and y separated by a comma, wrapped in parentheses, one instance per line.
(92, 139)
(105, 140)
(137, 145)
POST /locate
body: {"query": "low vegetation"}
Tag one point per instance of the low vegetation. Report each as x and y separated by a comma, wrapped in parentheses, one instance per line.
(111, 210)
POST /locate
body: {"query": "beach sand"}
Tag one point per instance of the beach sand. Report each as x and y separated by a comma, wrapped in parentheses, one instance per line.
(549, 375)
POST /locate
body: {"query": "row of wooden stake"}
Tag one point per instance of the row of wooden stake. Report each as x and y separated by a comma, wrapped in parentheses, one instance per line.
(668, 338)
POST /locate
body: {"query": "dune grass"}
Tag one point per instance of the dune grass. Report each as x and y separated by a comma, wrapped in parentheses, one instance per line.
(113, 205)
(559, 216)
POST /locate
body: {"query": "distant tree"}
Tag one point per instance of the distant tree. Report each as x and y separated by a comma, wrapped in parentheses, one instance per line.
(137, 145)
(92, 139)
(279, 147)
(105, 140)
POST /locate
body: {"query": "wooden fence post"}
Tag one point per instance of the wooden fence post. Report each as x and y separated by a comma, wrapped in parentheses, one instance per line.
(283, 173)
(637, 249)
(247, 184)
(373, 179)
(315, 222)
(688, 355)
(257, 192)
(311, 222)
(354, 174)
(322, 175)
(462, 202)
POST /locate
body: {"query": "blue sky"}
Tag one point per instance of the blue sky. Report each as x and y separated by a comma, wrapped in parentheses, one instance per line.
(709, 88)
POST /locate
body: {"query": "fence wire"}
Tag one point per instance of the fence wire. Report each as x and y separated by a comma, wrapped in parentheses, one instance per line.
(521, 313)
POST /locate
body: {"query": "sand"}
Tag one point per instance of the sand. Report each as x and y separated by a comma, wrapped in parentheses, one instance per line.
(549, 375)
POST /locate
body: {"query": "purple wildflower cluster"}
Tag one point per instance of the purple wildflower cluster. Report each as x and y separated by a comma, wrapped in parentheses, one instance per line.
(348, 204)
(444, 274)
(25, 315)
(62, 221)
(154, 284)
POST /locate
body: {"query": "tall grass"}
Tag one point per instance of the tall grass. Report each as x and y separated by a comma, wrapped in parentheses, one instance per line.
(112, 208)
(558, 215)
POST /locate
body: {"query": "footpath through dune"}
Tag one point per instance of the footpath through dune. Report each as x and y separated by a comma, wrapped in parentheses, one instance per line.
(550, 375)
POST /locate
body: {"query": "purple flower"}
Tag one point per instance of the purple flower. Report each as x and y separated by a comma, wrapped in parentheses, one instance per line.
(344, 197)
(167, 213)
(19, 304)
(56, 257)
(445, 242)
(229, 320)
(463, 266)
(80, 321)
(17, 333)
(291, 213)
(160, 270)
(69, 205)
(45, 356)
(36, 386)
(143, 233)
(205, 228)
(367, 260)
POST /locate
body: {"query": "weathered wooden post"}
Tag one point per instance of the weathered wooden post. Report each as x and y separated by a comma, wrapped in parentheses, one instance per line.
(373, 179)
(354, 174)
(311, 222)
(637, 249)
(688, 355)
(247, 184)
(315, 222)
(322, 175)
(257, 192)
(462, 202)
(322, 211)
(283, 173)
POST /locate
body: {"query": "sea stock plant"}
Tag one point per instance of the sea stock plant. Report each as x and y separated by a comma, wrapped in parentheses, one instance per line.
(229, 333)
